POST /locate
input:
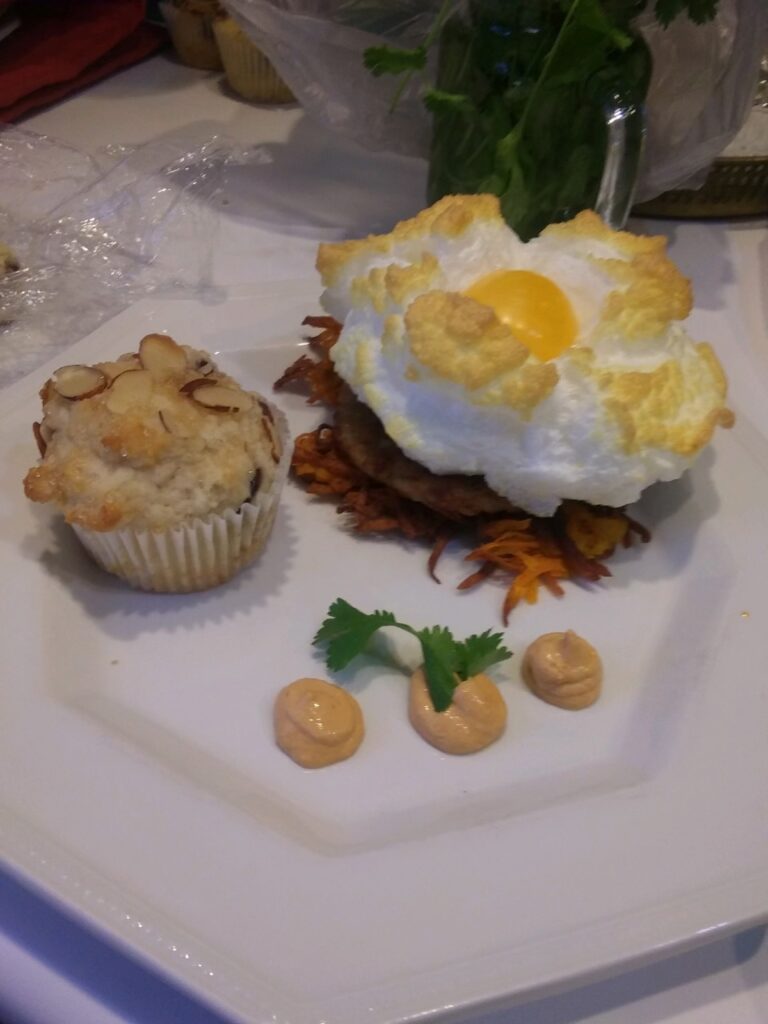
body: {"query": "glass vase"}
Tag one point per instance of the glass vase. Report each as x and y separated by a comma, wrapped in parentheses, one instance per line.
(540, 102)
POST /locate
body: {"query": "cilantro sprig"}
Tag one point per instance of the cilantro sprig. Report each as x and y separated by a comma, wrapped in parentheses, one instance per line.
(346, 632)
(396, 60)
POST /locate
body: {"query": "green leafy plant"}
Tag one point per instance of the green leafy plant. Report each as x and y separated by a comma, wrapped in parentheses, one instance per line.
(346, 632)
(519, 113)
(394, 60)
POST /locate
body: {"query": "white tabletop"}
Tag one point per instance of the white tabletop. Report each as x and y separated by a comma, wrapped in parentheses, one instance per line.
(52, 969)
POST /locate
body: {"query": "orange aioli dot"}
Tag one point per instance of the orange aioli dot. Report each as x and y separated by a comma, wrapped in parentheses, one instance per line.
(316, 723)
(563, 669)
(476, 717)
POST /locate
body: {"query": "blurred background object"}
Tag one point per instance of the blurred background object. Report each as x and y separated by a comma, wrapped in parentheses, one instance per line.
(205, 36)
(249, 72)
(190, 23)
(701, 90)
(51, 48)
(736, 184)
(9, 19)
(55, 47)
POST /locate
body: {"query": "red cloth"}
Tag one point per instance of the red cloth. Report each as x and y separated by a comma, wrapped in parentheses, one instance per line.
(64, 45)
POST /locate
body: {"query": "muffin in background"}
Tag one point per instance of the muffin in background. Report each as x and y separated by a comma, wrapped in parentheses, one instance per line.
(190, 24)
(249, 73)
(168, 471)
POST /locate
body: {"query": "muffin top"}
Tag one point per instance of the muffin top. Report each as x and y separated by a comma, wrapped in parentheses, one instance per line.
(151, 440)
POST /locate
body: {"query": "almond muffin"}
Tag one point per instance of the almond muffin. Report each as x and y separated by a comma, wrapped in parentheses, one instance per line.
(168, 471)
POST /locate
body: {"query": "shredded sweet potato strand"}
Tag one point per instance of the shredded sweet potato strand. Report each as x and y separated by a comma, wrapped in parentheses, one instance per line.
(441, 543)
(321, 464)
(323, 383)
(534, 552)
(514, 547)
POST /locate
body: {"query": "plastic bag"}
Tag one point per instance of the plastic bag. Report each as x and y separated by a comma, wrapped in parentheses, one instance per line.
(703, 84)
(702, 90)
(317, 47)
(94, 235)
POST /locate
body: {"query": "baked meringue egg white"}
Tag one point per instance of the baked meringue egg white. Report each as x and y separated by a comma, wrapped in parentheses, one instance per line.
(555, 368)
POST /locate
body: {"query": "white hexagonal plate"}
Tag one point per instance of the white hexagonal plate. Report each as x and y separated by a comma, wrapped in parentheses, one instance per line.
(143, 789)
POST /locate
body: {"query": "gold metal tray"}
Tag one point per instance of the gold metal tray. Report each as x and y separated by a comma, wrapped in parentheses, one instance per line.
(735, 187)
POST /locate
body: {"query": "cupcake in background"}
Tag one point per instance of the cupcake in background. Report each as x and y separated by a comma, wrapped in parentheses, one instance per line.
(168, 471)
(190, 24)
(249, 73)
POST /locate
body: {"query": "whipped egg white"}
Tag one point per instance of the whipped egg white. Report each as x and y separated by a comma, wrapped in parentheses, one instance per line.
(555, 368)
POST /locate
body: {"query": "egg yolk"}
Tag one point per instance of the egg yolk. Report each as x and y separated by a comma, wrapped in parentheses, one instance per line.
(536, 311)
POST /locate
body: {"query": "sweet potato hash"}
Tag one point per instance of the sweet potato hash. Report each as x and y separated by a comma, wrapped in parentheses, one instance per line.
(351, 461)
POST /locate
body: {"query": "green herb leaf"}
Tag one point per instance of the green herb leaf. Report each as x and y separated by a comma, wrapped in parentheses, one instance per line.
(440, 102)
(346, 631)
(391, 60)
(480, 651)
(441, 664)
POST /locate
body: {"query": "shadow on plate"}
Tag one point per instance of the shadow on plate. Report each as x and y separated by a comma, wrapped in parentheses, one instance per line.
(125, 613)
(699, 977)
(91, 964)
(704, 255)
(674, 514)
(319, 185)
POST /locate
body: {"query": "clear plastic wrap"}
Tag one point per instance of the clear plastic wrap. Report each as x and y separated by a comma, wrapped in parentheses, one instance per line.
(317, 47)
(702, 91)
(93, 235)
(703, 83)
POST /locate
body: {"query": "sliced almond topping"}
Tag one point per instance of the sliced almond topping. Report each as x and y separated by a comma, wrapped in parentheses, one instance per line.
(193, 385)
(78, 381)
(220, 398)
(264, 406)
(160, 354)
(204, 367)
(177, 423)
(127, 369)
(114, 369)
(130, 389)
(42, 436)
(267, 421)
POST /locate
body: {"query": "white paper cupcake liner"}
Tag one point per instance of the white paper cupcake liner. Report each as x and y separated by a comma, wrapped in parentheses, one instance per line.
(249, 72)
(198, 554)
